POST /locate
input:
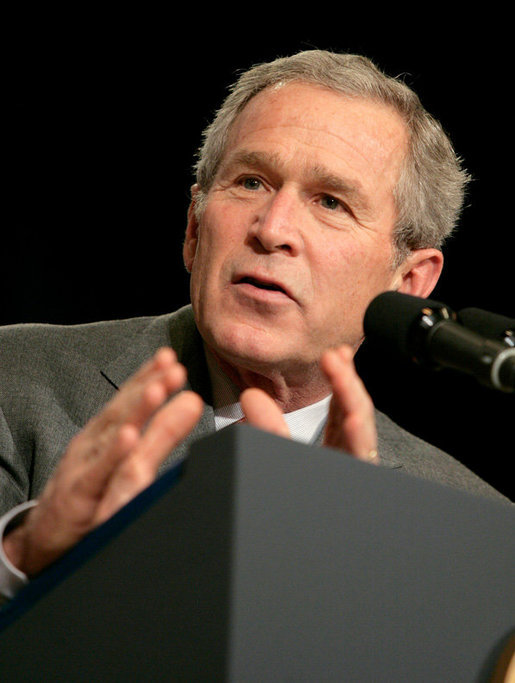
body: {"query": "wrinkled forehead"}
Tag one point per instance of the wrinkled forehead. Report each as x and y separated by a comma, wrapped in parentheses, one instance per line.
(315, 115)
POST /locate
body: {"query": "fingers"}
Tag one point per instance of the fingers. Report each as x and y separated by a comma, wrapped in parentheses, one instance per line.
(109, 436)
(138, 470)
(351, 422)
(115, 456)
(142, 394)
(262, 412)
(136, 424)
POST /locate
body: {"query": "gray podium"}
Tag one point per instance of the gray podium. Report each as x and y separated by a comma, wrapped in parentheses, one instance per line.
(264, 560)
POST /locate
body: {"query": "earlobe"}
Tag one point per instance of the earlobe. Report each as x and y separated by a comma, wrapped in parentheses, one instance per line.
(420, 272)
(189, 248)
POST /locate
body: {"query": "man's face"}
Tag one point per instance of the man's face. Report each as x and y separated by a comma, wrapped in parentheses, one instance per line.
(296, 236)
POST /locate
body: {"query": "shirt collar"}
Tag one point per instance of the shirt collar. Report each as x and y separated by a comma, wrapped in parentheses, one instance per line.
(304, 423)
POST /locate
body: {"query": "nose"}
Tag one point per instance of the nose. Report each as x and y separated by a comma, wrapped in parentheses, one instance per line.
(276, 226)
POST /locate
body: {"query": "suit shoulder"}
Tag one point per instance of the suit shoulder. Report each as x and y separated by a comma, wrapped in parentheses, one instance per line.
(92, 338)
(39, 349)
(422, 459)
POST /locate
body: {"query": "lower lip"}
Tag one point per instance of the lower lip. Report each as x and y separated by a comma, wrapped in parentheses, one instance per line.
(271, 296)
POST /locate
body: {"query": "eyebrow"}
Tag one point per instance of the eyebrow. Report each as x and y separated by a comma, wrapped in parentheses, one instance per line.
(252, 160)
(317, 174)
(331, 182)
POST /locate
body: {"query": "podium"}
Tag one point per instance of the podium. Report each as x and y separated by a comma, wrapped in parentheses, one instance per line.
(261, 559)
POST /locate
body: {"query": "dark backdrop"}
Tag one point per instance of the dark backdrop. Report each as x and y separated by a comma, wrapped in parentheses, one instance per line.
(103, 120)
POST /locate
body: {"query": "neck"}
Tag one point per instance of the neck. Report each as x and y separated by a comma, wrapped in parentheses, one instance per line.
(291, 391)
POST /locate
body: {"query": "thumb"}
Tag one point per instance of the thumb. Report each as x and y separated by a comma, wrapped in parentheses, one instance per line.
(263, 412)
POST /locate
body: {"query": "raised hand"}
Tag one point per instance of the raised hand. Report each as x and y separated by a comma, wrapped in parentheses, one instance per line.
(110, 461)
(351, 422)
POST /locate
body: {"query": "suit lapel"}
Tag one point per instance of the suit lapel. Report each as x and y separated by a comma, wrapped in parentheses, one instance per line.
(178, 331)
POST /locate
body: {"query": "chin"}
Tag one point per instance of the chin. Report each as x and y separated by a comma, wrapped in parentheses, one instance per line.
(247, 346)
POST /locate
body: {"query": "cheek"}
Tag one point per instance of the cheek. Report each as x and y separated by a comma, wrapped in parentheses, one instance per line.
(219, 232)
(216, 242)
(348, 279)
(344, 270)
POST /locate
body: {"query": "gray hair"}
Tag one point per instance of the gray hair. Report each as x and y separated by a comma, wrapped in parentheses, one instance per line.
(430, 191)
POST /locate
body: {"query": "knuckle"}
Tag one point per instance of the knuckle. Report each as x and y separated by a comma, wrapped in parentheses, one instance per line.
(135, 473)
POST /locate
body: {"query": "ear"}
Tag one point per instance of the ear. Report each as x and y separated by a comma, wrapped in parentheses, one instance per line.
(419, 273)
(189, 248)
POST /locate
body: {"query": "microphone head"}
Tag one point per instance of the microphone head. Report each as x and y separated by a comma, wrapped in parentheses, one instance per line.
(488, 324)
(393, 319)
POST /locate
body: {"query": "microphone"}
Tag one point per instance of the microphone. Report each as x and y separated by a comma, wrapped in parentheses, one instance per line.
(429, 333)
(489, 324)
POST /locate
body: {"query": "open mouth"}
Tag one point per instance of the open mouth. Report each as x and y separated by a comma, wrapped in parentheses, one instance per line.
(272, 286)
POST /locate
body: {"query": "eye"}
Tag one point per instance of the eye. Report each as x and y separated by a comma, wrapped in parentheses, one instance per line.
(250, 183)
(330, 202)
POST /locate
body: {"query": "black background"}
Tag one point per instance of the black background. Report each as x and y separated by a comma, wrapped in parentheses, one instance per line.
(104, 115)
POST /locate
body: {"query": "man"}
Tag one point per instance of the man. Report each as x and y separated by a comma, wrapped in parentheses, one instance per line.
(320, 184)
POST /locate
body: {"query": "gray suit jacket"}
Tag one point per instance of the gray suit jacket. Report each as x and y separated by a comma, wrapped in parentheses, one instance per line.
(53, 379)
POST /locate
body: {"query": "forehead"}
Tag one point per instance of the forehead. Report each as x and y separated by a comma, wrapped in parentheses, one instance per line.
(313, 120)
